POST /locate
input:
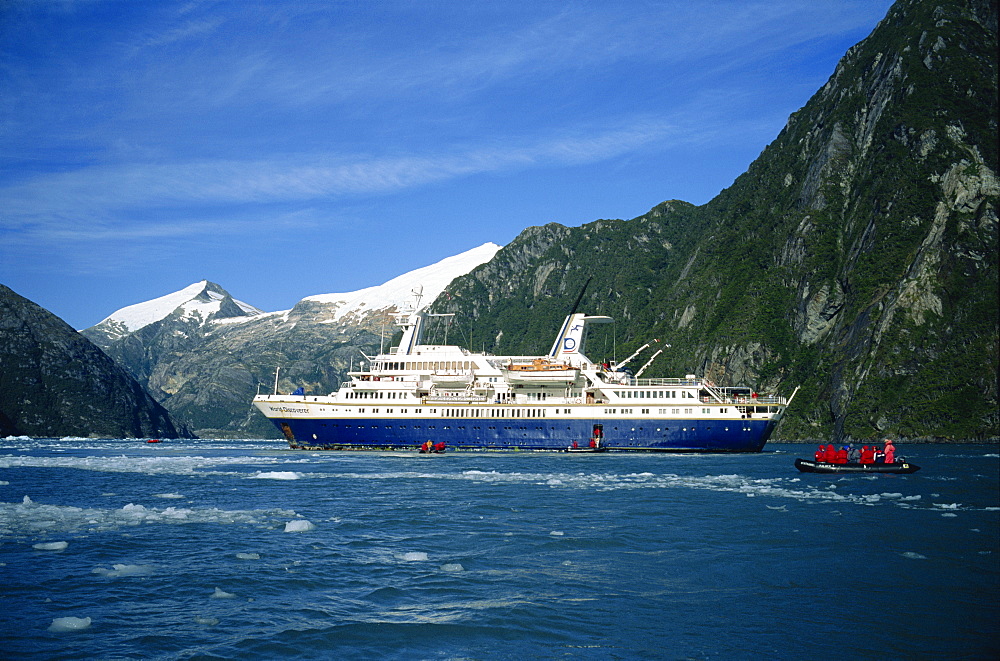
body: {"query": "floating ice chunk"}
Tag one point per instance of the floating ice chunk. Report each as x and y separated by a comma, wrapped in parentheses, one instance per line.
(299, 525)
(278, 475)
(913, 556)
(917, 497)
(205, 621)
(248, 556)
(950, 514)
(122, 570)
(4, 483)
(63, 624)
(51, 546)
(557, 533)
(779, 508)
(414, 556)
(947, 506)
(892, 495)
(452, 566)
(221, 594)
(27, 501)
(554, 481)
(167, 495)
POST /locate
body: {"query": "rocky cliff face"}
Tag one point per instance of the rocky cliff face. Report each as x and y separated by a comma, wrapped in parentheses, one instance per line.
(53, 382)
(857, 256)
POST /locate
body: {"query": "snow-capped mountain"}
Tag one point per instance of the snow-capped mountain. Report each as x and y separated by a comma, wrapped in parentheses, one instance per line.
(429, 280)
(203, 354)
(200, 303)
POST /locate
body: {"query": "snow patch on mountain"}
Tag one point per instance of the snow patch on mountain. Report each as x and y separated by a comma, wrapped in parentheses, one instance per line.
(203, 300)
(197, 300)
(432, 279)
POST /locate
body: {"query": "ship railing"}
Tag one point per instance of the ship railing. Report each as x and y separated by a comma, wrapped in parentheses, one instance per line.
(667, 382)
(759, 399)
(459, 399)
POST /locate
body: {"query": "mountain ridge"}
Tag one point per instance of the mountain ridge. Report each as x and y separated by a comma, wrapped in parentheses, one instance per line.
(55, 382)
(857, 256)
(206, 368)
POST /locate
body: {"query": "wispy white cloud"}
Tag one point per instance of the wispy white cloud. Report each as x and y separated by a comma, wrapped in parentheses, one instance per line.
(191, 29)
(107, 189)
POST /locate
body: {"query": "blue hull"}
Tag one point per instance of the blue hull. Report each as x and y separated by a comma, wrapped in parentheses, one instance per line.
(520, 434)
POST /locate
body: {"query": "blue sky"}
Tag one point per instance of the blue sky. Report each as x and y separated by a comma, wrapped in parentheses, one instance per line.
(284, 149)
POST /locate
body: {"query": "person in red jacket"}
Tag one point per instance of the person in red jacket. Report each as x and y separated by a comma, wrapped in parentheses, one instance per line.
(842, 455)
(867, 455)
(820, 454)
(830, 456)
(890, 451)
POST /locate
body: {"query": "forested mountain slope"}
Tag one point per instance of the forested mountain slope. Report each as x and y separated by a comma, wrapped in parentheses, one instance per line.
(857, 256)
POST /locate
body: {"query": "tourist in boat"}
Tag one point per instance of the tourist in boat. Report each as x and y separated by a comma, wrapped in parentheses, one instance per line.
(575, 445)
(439, 446)
(820, 454)
(830, 456)
(867, 455)
(879, 455)
(890, 451)
(593, 443)
(842, 455)
(853, 454)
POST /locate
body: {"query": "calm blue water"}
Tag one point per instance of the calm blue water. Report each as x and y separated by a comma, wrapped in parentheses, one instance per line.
(243, 549)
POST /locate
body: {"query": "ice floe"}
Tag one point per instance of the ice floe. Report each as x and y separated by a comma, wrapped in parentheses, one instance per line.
(299, 525)
(278, 475)
(452, 566)
(146, 464)
(222, 594)
(414, 556)
(50, 546)
(64, 624)
(119, 570)
(913, 555)
(31, 518)
(248, 556)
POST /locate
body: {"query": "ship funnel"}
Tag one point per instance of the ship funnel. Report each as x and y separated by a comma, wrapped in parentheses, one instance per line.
(573, 335)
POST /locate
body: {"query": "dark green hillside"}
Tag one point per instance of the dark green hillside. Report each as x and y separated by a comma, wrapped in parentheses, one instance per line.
(857, 256)
(55, 382)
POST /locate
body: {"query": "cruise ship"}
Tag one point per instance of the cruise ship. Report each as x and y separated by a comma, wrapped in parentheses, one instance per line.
(418, 395)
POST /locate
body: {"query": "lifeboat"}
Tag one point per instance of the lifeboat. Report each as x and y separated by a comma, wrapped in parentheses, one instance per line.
(540, 370)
